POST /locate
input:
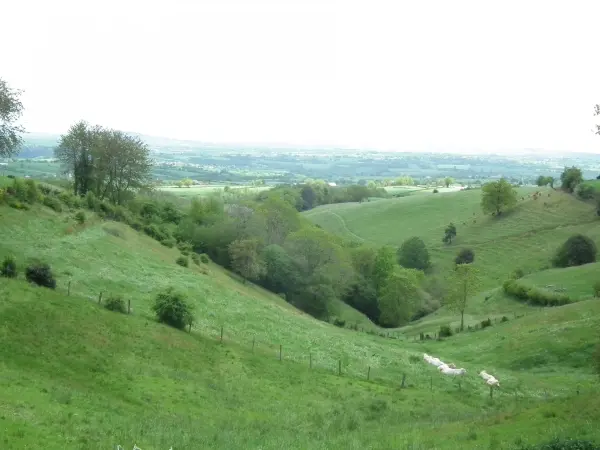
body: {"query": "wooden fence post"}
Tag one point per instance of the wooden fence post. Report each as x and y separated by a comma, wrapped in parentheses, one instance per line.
(129, 310)
(491, 391)
(100, 298)
(253, 342)
(310, 360)
(221, 334)
(431, 383)
(402, 386)
(69, 289)
(369, 373)
(339, 367)
(190, 329)
(280, 352)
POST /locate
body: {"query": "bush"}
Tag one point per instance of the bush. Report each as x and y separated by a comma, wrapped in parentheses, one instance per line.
(204, 258)
(597, 289)
(435, 191)
(69, 199)
(465, 256)
(169, 242)
(52, 203)
(486, 323)
(18, 190)
(18, 205)
(40, 274)
(196, 258)
(33, 195)
(339, 322)
(504, 319)
(577, 250)
(596, 359)
(91, 200)
(171, 308)
(155, 232)
(518, 273)
(183, 261)
(115, 303)
(534, 296)
(80, 217)
(445, 331)
(9, 267)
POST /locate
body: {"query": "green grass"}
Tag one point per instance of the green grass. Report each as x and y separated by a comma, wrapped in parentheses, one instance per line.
(576, 282)
(74, 375)
(525, 238)
(203, 191)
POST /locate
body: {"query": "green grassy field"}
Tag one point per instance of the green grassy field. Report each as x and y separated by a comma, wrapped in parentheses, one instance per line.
(77, 376)
(203, 191)
(525, 238)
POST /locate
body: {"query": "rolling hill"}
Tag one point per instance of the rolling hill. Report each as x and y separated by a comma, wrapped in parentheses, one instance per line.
(75, 375)
(525, 238)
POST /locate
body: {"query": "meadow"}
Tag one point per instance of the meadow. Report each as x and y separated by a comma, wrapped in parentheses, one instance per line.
(75, 375)
(206, 190)
(525, 238)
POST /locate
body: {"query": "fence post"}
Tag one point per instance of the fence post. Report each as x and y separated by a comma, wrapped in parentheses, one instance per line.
(69, 289)
(431, 382)
(403, 381)
(369, 373)
(280, 352)
(100, 298)
(221, 334)
(310, 360)
(339, 366)
(190, 330)
(129, 310)
(491, 391)
(253, 342)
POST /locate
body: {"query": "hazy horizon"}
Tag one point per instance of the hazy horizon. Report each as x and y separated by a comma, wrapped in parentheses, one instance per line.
(388, 76)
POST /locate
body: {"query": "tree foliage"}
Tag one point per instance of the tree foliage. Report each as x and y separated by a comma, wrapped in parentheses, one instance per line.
(571, 178)
(399, 297)
(243, 254)
(107, 162)
(172, 308)
(543, 181)
(463, 282)
(577, 250)
(413, 254)
(385, 264)
(11, 110)
(448, 181)
(498, 196)
(449, 234)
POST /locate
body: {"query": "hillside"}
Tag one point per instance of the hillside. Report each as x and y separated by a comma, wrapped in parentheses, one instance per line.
(525, 238)
(77, 376)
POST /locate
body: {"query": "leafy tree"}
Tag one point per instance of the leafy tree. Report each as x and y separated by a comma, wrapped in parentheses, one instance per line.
(448, 181)
(570, 178)
(385, 263)
(413, 254)
(463, 282)
(40, 273)
(363, 261)
(399, 297)
(449, 234)
(245, 260)
(577, 250)
(11, 109)
(545, 181)
(281, 273)
(498, 196)
(465, 256)
(361, 295)
(186, 182)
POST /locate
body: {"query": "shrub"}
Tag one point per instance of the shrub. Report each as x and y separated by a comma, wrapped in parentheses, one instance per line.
(518, 273)
(596, 359)
(18, 190)
(204, 258)
(486, 323)
(172, 308)
(33, 195)
(183, 261)
(504, 319)
(2, 195)
(17, 205)
(69, 199)
(40, 273)
(80, 217)
(9, 267)
(435, 191)
(445, 331)
(465, 256)
(339, 322)
(169, 242)
(52, 203)
(569, 444)
(534, 295)
(115, 303)
(196, 258)
(91, 200)
(577, 250)
(597, 289)
(154, 231)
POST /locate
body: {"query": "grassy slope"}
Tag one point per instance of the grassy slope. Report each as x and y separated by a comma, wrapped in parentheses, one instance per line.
(76, 376)
(577, 282)
(524, 238)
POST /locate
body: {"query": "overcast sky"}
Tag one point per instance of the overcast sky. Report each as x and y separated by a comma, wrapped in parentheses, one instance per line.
(402, 75)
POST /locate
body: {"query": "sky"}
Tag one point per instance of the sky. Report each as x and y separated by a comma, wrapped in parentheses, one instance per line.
(391, 75)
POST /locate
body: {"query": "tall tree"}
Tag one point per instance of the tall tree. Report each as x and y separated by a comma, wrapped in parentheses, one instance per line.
(498, 196)
(571, 178)
(449, 234)
(11, 109)
(245, 260)
(385, 263)
(462, 283)
(448, 181)
(399, 297)
(413, 254)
